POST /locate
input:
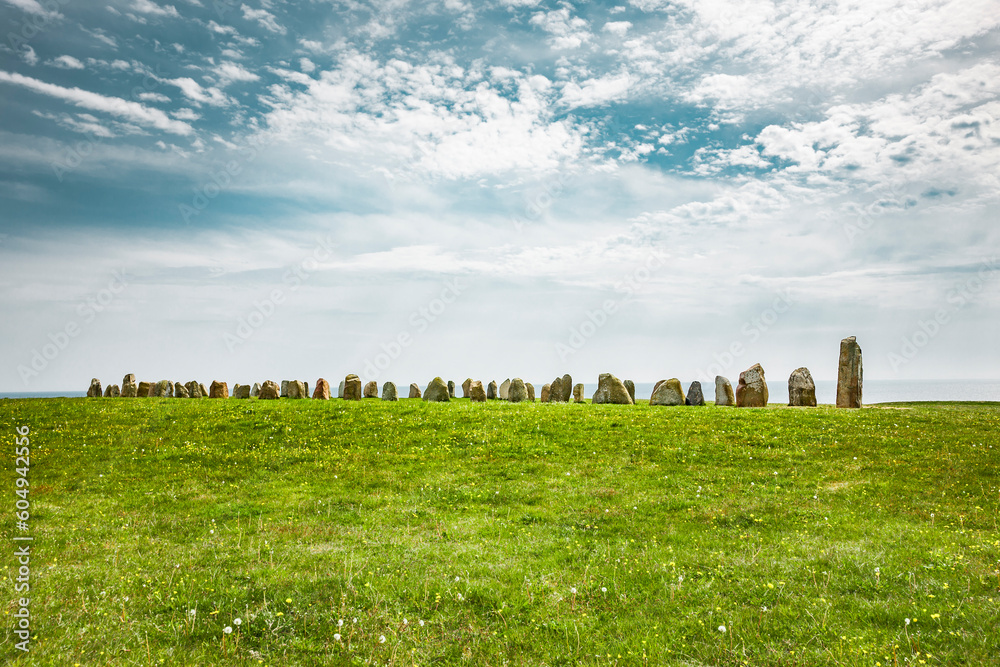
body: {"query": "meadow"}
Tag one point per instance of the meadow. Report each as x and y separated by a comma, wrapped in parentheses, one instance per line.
(245, 532)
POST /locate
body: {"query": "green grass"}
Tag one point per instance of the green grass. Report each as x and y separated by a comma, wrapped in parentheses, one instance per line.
(503, 534)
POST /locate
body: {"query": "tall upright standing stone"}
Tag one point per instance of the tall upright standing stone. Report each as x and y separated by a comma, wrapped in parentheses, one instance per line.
(531, 391)
(255, 390)
(389, 392)
(352, 388)
(694, 395)
(112, 391)
(194, 389)
(476, 392)
(630, 386)
(297, 389)
(491, 390)
(181, 390)
(340, 390)
(284, 388)
(849, 376)
(322, 391)
(751, 392)
(95, 389)
(555, 391)
(611, 390)
(578, 393)
(219, 390)
(667, 392)
(546, 393)
(414, 390)
(129, 388)
(504, 392)
(270, 391)
(801, 388)
(451, 389)
(724, 391)
(371, 389)
(437, 391)
(466, 386)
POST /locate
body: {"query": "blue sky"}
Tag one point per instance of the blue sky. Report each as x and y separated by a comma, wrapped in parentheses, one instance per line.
(265, 189)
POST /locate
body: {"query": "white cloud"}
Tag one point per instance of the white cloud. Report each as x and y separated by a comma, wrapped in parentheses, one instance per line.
(29, 55)
(229, 72)
(65, 62)
(221, 29)
(34, 7)
(115, 106)
(153, 9)
(265, 18)
(307, 65)
(593, 92)
(185, 114)
(568, 32)
(196, 93)
(154, 97)
(618, 28)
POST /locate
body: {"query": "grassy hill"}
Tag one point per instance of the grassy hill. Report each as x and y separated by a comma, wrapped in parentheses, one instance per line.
(532, 534)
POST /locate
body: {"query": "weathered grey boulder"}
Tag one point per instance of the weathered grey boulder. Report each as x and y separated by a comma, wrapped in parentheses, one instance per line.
(255, 390)
(611, 390)
(194, 389)
(667, 392)
(322, 391)
(371, 389)
(466, 386)
(504, 393)
(695, 395)
(476, 392)
(181, 390)
(451, 388)
(219, 390)
(129, 387)
(204, 392)
(270, 391)
(389, 392)
(517, 391)
(112, 391)
(578, 393)
(241, 391)
(567, 388)
(751, 391)
(95, 390)
(163, 389)
(531, 391)
(491, 390)
(555, 391)
(284, 388)
(801, 389)
(724, 391)
(437, 391)
(630, 388)
(340, 390)
(414, 390)
(352, 388)
(849, 374)
(546, 393)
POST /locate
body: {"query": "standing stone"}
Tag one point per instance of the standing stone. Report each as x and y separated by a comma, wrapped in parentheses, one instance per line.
(144, 389)
(451, 389)
(297, 389)
(414, 390)
(437, 391)
(466, 386)
(255, 390)
(491, 390)
(241, 391)
(611, 390)
(849, 375)
(476, 392)
(305, 394)
(555, 391)
(578, 393)
(517, 391)
(204, 391)
(724, 391)
(695, 395)
(751, 391)
(181, 391)
(567, 388)
(340, 390)
(284, 388)
(95, 389)
(219, 390)
(164, 389)
(270, 391)
(667, 392)
(352, 388)
(801, 389)
(546, 393)
(129, 387)
(630, 387)
(194, 390)
(371, 389)
(112, 391)
(504, 392)
(322, 391)
(531, 391)
(389, 392)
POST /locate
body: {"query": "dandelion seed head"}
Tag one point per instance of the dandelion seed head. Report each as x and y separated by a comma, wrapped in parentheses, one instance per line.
(381, 639)
(237, 622)
(722, 628)
(228, 629)
(336, 636)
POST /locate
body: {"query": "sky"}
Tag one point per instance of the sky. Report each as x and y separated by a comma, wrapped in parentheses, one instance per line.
(260, 189)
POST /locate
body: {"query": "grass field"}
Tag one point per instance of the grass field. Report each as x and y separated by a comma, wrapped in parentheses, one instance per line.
(532, 534)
